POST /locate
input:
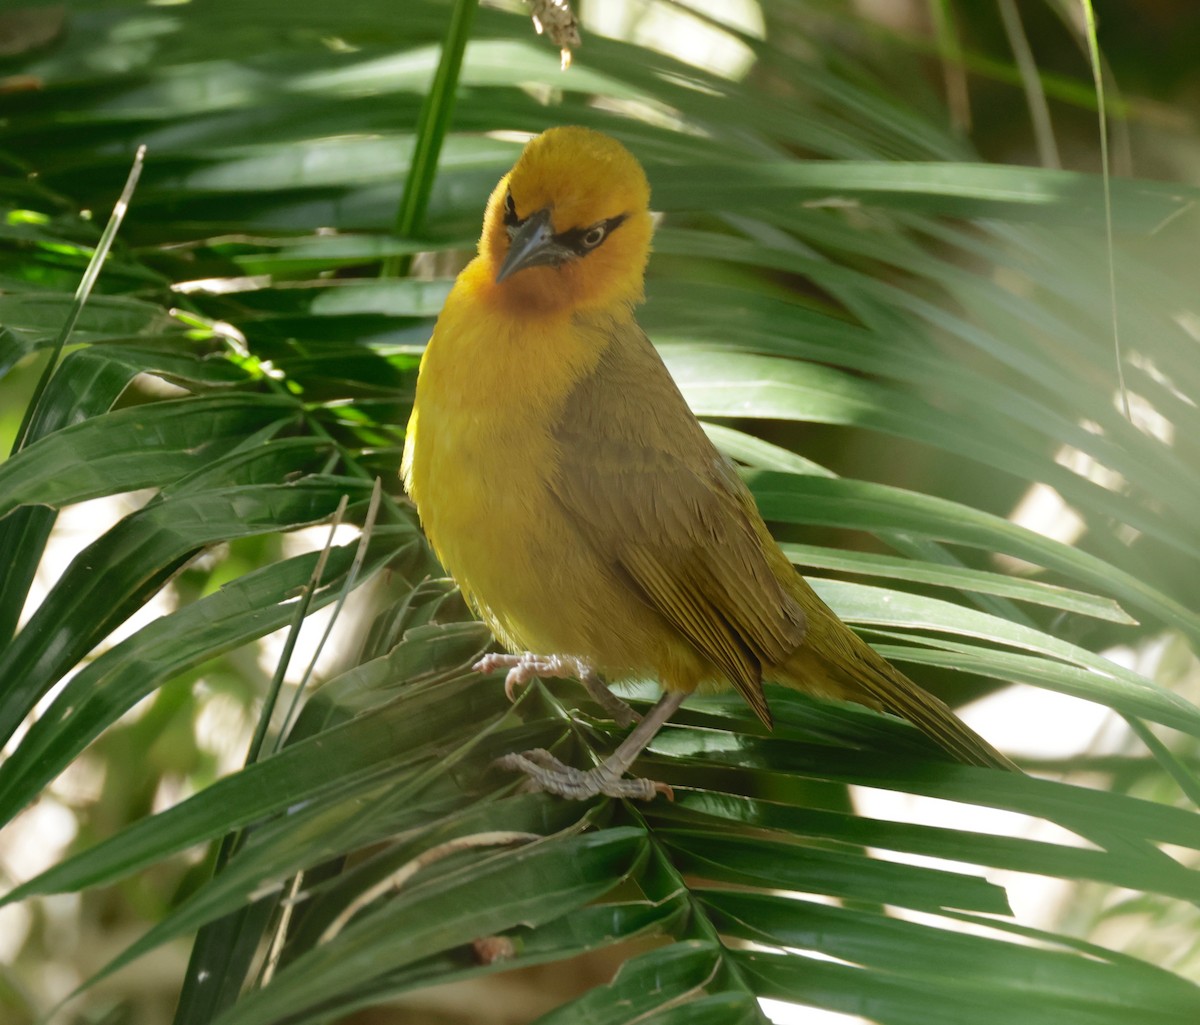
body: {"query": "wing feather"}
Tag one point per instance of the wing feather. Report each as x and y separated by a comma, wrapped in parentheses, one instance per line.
(650, 493)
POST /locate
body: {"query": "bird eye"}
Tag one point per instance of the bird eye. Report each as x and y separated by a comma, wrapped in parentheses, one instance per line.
(594, 236)
(510, 210)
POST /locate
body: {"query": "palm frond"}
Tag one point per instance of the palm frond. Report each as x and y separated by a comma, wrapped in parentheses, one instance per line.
(837, 274)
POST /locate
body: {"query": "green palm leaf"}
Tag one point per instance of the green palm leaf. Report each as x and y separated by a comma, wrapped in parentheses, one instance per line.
(837, 274)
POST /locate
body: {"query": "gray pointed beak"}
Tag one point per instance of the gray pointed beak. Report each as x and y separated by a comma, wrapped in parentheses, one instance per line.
(533, 245)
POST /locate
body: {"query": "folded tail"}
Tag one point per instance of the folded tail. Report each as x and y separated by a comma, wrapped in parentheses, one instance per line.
(834, 661)
(896, 693)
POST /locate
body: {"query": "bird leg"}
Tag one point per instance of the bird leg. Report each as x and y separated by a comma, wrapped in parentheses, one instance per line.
(547, 773)
(526, 667)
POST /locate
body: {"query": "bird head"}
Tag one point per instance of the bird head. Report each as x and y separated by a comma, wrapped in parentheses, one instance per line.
(568, 228)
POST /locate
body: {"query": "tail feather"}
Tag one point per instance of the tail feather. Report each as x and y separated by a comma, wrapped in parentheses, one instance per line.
(835, 662)
(896, 693)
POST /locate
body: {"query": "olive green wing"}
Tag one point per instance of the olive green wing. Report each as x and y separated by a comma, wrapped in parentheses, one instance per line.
(649, 493)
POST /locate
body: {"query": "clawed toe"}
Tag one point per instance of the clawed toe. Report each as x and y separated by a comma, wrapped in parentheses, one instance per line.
(526, 667)
(545, 772)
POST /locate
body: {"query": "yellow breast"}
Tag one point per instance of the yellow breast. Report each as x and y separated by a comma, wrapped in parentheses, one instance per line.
(480, 450)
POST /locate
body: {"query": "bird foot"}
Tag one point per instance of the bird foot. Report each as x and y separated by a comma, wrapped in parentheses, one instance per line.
(547, 773)
(526, 667)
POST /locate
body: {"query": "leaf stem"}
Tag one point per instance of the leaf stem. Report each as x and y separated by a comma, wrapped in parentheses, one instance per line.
(82, 293)
(1105, 177)
(436, 114)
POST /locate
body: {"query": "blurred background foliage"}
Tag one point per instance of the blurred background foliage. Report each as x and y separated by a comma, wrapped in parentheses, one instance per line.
(882, 276)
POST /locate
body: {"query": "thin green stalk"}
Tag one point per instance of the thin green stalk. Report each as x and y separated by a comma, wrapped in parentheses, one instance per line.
(958, 99)
(436, 113)
(260, 732)
(81, 295)
(348, 586)
(216, 945)
(1187, 780)
(1035, 95)
(1098, 78)
(231, 841)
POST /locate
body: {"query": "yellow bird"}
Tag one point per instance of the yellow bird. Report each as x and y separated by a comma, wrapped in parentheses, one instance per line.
(566, 486)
